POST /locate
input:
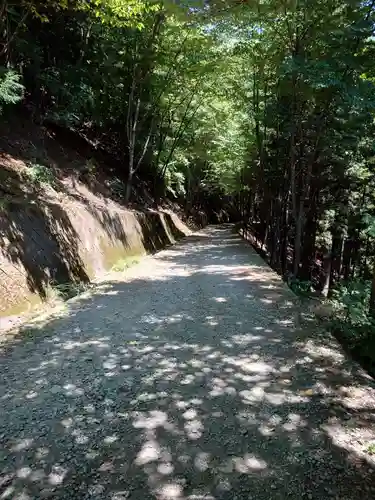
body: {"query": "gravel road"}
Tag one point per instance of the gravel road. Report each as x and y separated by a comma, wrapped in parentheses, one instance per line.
(184, 378)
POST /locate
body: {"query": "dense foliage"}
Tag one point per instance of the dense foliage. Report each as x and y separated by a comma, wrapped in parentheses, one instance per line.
(267, 103)
(144, 80)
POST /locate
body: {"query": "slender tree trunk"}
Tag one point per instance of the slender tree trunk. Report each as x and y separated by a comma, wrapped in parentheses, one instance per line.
(346, 260)
(338, 240)
(308, 247)
(372, 296)
(327, 264)
(298, 239)
(284, 242)
(336, 258)
(129, 186)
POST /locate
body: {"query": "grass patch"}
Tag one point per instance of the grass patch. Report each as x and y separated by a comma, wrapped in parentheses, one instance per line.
(66, 291)
(123, 264)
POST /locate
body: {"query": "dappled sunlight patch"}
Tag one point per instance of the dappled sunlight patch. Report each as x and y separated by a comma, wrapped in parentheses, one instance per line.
(294, 422)
(110, 292)
(221, 269)
(57, 475)
(165, 469)
(202, 461)
(73, 390)
(190, 414)
(151, 319)
(31, 395)
(220, 299)
(150, 420)
(67, 422)
(266, 301)
(72, 345)
(355, 397)
(254, 366)
(110, 439)
(317, 349)
(79, 436)
(246, 465)
(188, 380)
(350, 436)
(211, 321)
(22, 444)
(150, 452)
(285, 322)
(172, 491)
(194, 429)
(245, 339)
(23, 472)
(255, 394)
(198, 496)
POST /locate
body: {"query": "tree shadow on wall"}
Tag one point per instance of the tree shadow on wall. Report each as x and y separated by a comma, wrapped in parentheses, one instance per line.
(36, 236)
(158, 230)
(38, 239)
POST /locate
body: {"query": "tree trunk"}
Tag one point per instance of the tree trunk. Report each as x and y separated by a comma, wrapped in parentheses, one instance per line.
(338, 240)
(128, 189)
(336, 258)
(347, 257)
(372, 296)
(327, 263)
(308, 247)
(298, 239)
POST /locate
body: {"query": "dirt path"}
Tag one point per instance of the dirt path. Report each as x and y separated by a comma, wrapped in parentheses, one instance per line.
(184, 379)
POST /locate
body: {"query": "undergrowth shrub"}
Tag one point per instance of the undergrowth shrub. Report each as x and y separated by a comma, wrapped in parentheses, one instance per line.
(11, 90)
(65, 291)
(351, 301)
(117, 186)
(301, 288)
(40, 174)
(352, 323)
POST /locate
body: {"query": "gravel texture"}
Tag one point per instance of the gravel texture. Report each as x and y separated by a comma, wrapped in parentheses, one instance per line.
(184, 378)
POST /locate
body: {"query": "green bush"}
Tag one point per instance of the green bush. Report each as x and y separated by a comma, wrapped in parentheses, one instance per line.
(124, 264)
(40, 174)
(352, 324)
(300, 287)
(66, 291)
(351, 299)
(11, 90)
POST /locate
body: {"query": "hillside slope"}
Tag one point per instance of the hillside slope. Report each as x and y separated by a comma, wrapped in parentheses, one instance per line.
(60, 221)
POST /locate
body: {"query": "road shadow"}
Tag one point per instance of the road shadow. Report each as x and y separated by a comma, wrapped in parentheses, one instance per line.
(189, 384)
